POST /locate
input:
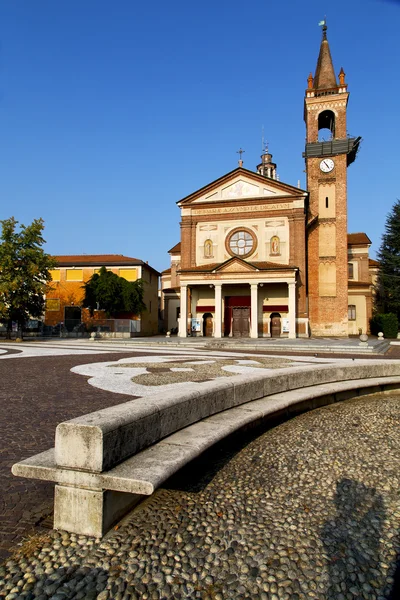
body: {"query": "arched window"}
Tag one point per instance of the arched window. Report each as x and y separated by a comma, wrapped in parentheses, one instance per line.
(275, 245)
(326, 125)
(208, 249)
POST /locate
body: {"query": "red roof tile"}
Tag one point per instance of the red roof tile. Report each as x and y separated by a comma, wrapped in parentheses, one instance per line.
(98, 260)
(175, 249)
(354, 284)
(262, 266)
(358, 239)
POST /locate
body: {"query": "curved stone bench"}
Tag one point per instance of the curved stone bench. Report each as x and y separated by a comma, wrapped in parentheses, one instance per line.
(106, 461)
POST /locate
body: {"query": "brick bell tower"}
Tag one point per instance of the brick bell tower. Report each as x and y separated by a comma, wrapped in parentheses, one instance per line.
(325, 108)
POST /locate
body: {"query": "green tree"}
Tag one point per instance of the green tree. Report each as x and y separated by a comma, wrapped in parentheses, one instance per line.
(388, 285)
(24, 272)
(113, 294)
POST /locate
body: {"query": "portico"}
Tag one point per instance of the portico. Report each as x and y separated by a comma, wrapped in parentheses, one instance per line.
(238, 307)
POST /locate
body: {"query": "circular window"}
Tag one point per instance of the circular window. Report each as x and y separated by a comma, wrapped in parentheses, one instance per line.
(241, 242)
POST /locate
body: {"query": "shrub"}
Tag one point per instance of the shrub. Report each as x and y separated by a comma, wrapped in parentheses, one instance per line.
(387, 323)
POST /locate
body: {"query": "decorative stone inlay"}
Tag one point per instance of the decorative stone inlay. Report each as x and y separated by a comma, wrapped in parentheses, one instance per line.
(138, 377)
(175, 372)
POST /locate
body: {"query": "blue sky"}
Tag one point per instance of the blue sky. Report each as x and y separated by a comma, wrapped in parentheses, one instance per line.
(110, 112)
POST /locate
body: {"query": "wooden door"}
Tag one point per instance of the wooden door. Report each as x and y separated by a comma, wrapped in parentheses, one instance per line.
(208, 326)
(240, 321)
(275, 327)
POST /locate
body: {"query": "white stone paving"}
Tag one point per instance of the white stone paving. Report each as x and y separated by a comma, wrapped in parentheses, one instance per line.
(30, 350)
(117, 378)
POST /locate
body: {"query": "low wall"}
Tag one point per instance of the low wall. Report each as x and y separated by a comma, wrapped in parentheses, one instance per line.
(98, 441)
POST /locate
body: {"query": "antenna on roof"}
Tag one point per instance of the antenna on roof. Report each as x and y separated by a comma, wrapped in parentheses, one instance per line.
(262, 138)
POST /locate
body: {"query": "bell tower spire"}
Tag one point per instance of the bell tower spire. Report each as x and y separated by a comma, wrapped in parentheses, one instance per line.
(325, 108)
(325, 77)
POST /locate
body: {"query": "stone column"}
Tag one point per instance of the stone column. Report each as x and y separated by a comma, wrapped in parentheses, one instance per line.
(218, 310)
(292, 310)
(254, 311)
(183, 316)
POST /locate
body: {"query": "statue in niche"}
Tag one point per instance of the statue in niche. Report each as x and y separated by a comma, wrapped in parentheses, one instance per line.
(275, 245)
(208, 249)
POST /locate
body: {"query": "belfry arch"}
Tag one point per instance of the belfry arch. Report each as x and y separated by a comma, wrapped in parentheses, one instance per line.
(326, 122)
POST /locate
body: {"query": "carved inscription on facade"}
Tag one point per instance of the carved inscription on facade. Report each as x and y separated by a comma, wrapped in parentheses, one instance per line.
(240, 209)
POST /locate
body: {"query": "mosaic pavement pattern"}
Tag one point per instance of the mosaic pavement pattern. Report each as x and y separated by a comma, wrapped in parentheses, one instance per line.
(139, 377)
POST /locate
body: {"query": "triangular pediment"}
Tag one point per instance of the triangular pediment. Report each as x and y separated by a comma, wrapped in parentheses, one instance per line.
(240, 185)
(235, 265)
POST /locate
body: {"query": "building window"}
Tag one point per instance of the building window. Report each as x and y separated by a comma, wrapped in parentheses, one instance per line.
(74, 274)
(275, 246)
(208, 249)
(128, 274)
(352, 312)
(55, 274)
(241, 242)
(351, 271)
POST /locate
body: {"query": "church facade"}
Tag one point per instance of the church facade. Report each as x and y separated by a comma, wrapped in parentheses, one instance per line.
(261, 258)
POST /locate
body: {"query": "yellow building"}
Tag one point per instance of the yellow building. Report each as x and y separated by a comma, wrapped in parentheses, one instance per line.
(65, 297)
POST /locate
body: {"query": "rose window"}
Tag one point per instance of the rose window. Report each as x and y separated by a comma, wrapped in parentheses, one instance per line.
(241, 242)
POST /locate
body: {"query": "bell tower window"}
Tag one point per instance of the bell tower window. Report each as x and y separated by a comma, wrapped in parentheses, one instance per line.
(326, 126)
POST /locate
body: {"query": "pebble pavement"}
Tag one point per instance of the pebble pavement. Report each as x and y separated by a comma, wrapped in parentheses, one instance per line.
(308, 509)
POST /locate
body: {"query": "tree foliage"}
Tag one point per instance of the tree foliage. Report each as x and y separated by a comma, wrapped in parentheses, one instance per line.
(24, 272)
(113, 294)
(388, 286)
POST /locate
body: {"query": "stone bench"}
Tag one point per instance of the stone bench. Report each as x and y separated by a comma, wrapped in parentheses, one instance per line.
(105, 462)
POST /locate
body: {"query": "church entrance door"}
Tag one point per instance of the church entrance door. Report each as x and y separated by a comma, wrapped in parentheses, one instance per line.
(240, 321)
(207, 325)
(275, 325)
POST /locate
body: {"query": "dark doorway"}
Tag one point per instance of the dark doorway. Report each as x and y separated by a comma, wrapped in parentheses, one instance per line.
(207, 324)
(232, 302)
(72, 317)
(240, 321)
(275, 325)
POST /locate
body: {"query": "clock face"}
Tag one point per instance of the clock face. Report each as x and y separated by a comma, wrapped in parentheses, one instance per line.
(327, 165)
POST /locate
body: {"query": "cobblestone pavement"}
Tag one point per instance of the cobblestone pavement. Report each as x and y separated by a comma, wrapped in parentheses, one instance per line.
(35, 395)
(38, 391)
(308, 509)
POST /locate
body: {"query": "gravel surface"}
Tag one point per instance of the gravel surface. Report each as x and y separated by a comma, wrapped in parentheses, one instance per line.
(309, 509)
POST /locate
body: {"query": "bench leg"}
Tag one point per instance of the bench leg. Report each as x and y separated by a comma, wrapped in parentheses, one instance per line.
(90, 512)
